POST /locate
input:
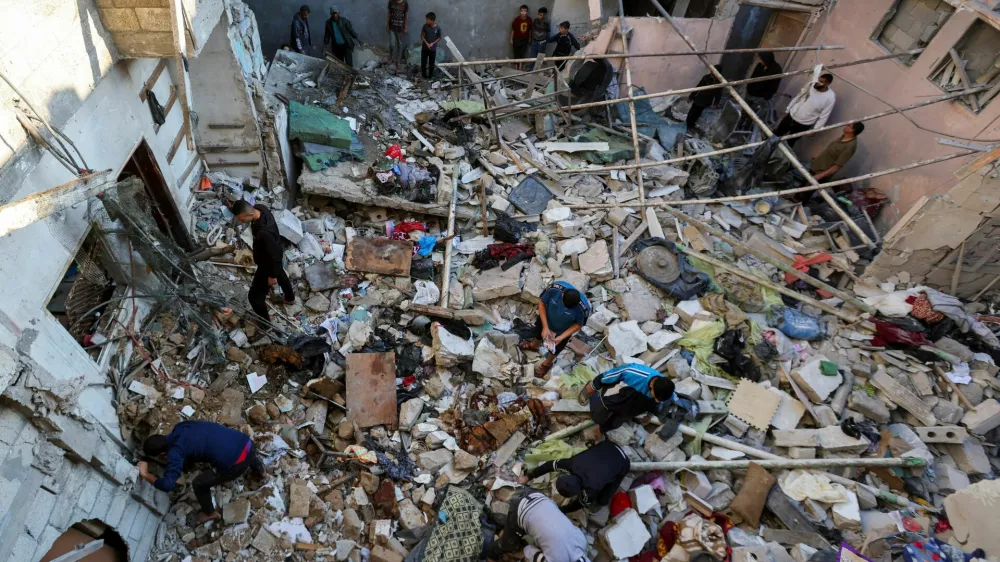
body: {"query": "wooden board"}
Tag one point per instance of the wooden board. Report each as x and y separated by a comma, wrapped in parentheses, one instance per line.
(371, 389)
(903, 398)
(786, 511)
(379, 255)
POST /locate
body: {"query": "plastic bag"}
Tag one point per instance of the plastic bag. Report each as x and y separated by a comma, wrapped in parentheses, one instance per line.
(730, 347)
(554, 450)
(394, 152)
(799, 325)
(700, 341)
(510, 230)
(578, 377)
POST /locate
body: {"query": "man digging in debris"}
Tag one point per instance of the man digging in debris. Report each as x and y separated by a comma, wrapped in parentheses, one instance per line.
(562, 311)
(591, 477)
(340, 35)
(556, 538)
(620, 394)
(267, 254)
(229, 452)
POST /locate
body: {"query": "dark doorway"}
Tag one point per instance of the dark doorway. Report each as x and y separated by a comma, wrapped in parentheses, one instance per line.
(142, 165)
(642, 8)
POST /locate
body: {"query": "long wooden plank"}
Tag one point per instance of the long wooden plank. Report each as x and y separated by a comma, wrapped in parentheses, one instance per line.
(979, 163)
(964, 77)
(177, 143)
(903, 398)
(35, 207)
(151, 82)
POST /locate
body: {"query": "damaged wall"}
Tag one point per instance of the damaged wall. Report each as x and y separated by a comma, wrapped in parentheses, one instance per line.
(891, 141)
(57, 469)
(482, 32)
(653, 35)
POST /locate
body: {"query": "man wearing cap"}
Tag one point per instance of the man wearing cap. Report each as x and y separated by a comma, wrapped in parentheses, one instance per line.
(589, 478)
(340, 35)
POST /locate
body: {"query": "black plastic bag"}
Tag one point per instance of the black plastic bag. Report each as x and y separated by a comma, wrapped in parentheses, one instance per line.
(422, 268)
(313, 350)
(508, 229)
(730, 346)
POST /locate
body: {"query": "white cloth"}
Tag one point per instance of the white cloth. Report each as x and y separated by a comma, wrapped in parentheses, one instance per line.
(812, 107)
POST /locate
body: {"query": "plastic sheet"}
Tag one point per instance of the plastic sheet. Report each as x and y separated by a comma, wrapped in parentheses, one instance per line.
(799, 325)
(801, 485)
(701, 342)
(578, 377)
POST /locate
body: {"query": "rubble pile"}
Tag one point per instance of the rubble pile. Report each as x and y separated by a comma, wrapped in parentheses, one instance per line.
(393, 398)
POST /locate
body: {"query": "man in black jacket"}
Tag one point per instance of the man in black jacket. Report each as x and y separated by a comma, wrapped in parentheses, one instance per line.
(703, 99)
(592, 478)
(267, 254)
(301, 40)
(766, 66)
(339, 34)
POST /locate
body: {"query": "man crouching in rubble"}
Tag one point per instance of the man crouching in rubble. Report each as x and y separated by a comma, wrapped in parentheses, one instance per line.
(556, 538)
(267, 254)
(620, 394)
(562, 311)
(589, 478)
(229, 452)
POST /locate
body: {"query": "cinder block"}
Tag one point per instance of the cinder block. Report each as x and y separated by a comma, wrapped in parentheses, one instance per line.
(45, 542)
(11, 424)
(119, 502)
(144, 44)
(119, 19)
(139, 523)
(796, 438)
(941, 434)
(154, 19)
(39, 512)
(104, 498)
(24, 547)
(75, 438)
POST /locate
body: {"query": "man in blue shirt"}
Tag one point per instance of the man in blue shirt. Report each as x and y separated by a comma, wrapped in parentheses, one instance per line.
(340, 35)
(562, 311)
(229, 452)
(620, 394)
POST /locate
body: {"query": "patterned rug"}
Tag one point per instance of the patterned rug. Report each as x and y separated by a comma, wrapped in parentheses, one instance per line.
(459, 538)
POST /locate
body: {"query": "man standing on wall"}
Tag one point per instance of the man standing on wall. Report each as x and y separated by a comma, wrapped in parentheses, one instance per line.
(520, 34)
(301, 38)
(340, 35)
(267, 254)
(398, 25)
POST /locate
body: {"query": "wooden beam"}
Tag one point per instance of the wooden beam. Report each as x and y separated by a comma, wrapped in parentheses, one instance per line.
(81, 551)
(148, 84)
(177, 143)
(777, 6)
(188, 169)
(37, 206)
(177, 27)
(978, 164)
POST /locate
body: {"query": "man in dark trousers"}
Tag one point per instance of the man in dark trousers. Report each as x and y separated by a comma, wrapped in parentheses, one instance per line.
(562, 311)
(339, 34)
(301, 38)
(704, 99)
(230, 453)
(565, 42)
(430, 36)
(620, 394)
(555, 538)
(590, 478)
(520, 34)
(267, 254)
(766, 66)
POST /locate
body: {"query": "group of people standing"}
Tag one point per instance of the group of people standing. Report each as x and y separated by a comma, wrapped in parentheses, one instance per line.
(529, 37)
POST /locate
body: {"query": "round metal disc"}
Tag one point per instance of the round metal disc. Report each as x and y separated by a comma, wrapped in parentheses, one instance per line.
(659, 263)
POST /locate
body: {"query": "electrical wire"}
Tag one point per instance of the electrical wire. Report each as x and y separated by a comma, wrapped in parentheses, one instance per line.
(52, 131)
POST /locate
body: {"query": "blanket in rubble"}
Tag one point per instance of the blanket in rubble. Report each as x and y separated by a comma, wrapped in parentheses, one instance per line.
(457, 535)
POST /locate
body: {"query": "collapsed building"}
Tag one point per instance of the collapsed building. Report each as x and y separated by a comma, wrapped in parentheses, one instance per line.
(835, 391)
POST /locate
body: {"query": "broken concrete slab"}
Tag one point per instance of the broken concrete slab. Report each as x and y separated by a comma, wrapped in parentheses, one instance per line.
(370, 378)
(379, 255)
(983, 419)
(817, 386)
(596, 262)
(834, 440)
(969, 456)
(626, 339)
(625, 536)
(496, 283)
(903, 398)
(640, 300)
(868, 406)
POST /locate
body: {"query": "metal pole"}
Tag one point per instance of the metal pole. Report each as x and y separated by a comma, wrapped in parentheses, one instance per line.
(783, 192)
(446, 281)
(906, 462)
(783, 147)
(773, 261)
(786, 137)
(499, 78)
(700, 88)
(643, 55)
(631, 104)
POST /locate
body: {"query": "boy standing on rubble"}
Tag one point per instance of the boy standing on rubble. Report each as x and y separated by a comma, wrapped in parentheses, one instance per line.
(267, 254)
(555, 537)
(808, 110)
(230, 453)
(430, 36)
(398, 25)
(620, 394)
(565, 42)
(541, 30)
(590, 478)
(520, 34)
(562, 311)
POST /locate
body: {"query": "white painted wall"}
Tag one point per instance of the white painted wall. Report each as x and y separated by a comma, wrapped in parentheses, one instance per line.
(107, 126)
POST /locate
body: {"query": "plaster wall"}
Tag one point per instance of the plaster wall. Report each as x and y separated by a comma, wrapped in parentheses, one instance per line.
(891, 141)
(108, 124)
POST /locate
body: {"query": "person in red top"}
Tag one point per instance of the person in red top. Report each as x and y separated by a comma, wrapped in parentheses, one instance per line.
(520, 34)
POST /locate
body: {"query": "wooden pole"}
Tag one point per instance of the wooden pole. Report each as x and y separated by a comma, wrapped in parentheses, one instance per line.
(177, 28)
(782, 147)
(954, 387)
(482, 196)
(986, 288)
(790, 136)
(761, 281)
(642, 55)
(783, 192)
(781, 464)
(446, 281)
(631, 103)
(771, 260)
(957, 274)
(713, 86)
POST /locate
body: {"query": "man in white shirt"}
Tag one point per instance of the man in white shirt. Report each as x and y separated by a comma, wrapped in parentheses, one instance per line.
(808, 110)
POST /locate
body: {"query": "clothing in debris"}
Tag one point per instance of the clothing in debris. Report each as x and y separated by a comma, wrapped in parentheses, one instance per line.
(558, 316)
(623, 393)
(767, 88)
(837, 153)
(594, 475)
(565, 44)
(229, 452)
(301, 39)
(340, 35)
(812, 107)
(555, 537)
(703, 99)
(267, 254)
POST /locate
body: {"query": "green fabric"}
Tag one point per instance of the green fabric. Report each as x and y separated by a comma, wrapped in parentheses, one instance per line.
(619, 149)
(701, 342)
(465, 106)
(309, 123)
(828, 368)
(550, 451)
(581, 375)
(457, 535)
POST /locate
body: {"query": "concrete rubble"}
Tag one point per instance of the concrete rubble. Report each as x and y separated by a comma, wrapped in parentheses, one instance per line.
(469, 410)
